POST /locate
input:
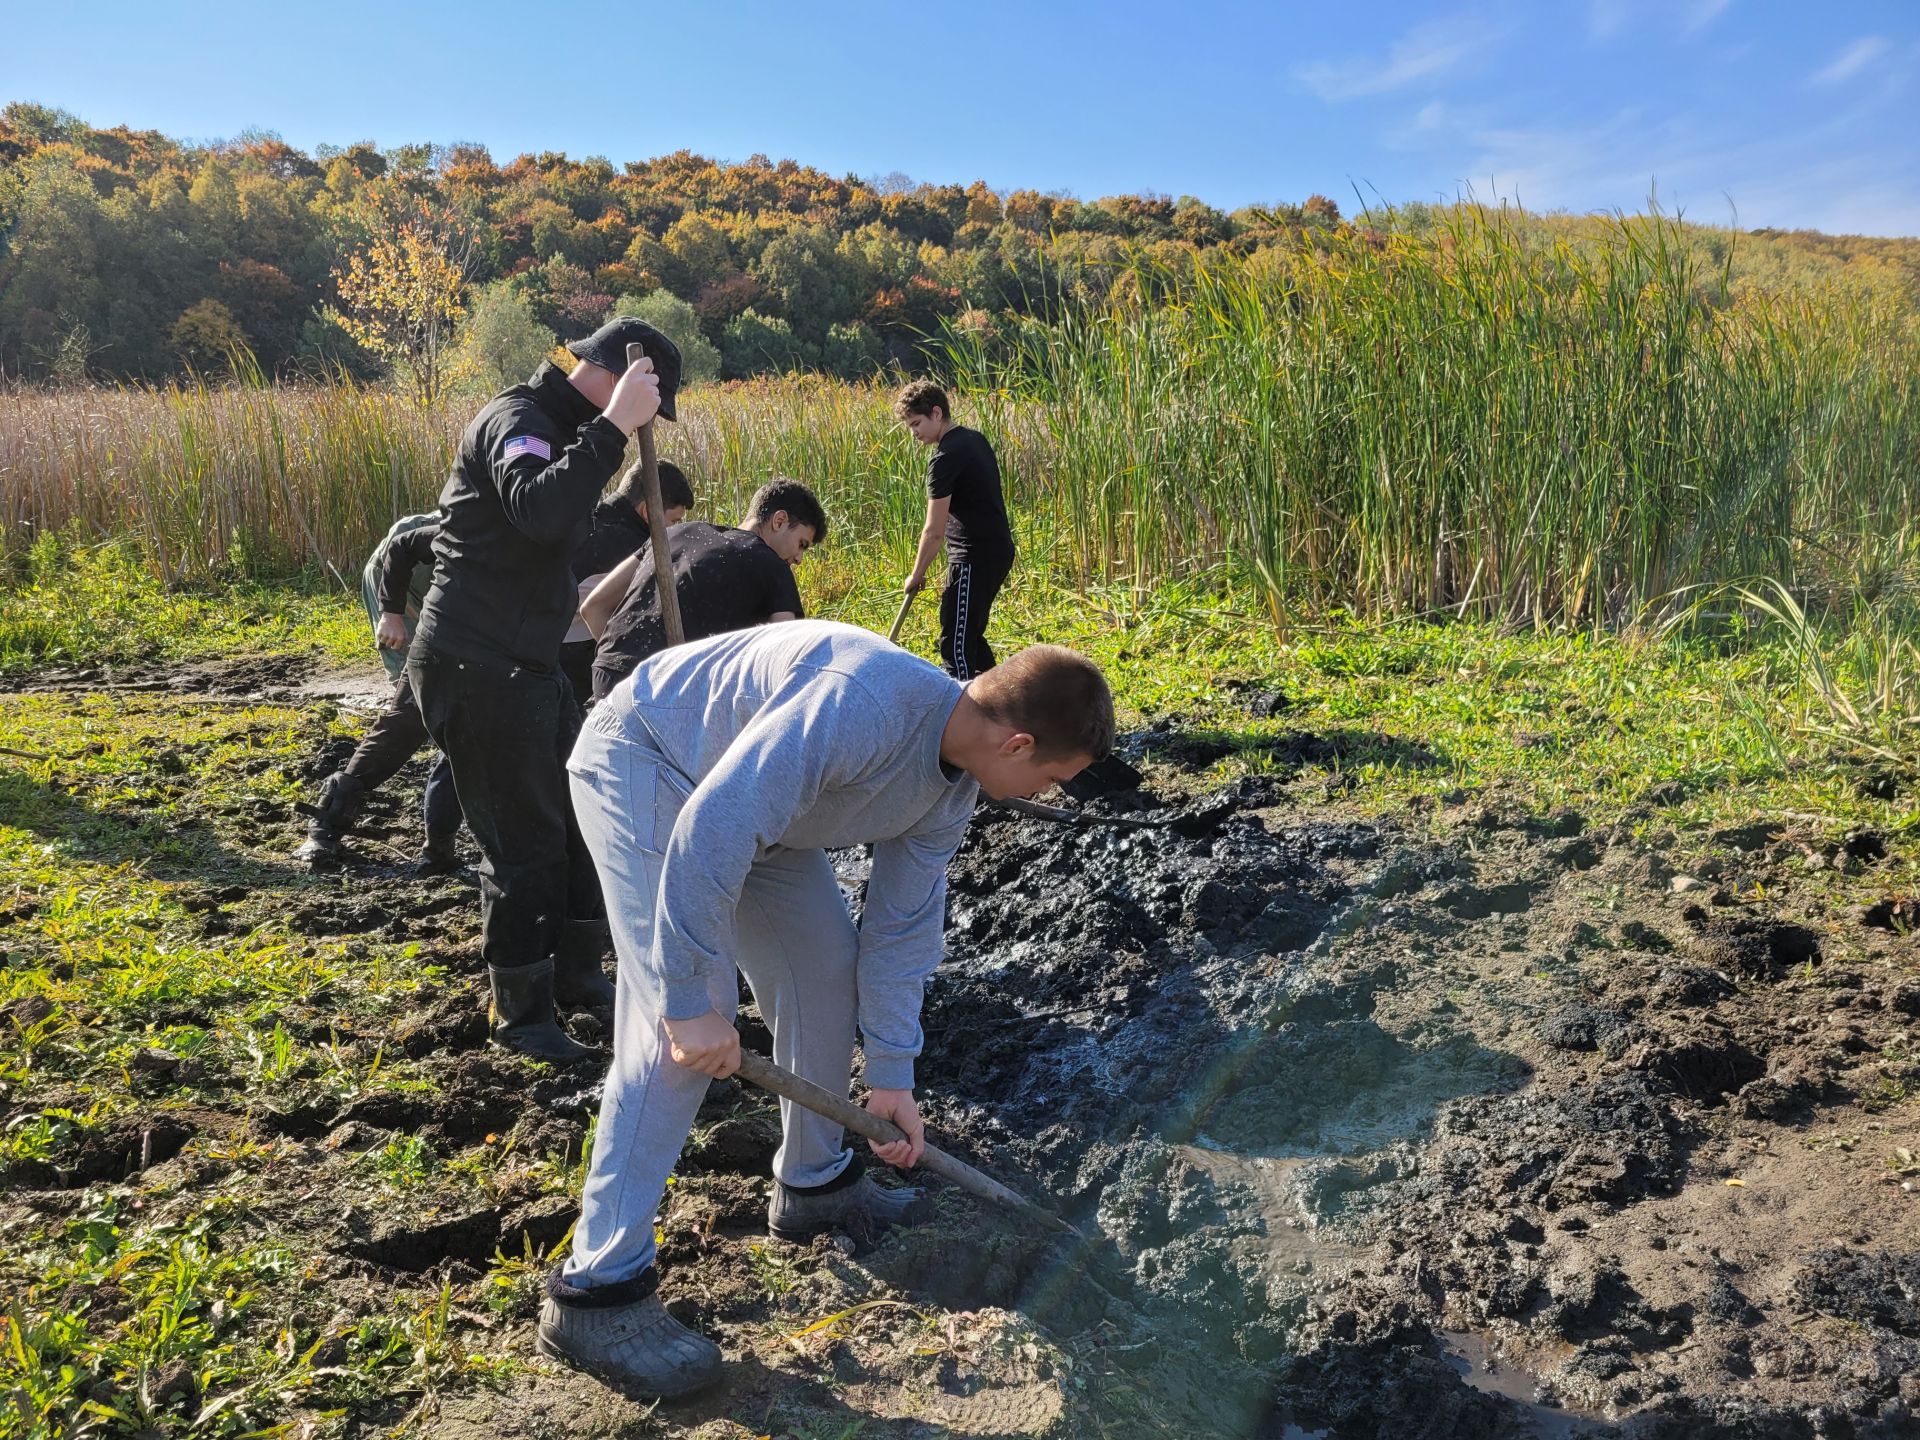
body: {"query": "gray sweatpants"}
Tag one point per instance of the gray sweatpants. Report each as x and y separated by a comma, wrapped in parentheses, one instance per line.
(797, 948)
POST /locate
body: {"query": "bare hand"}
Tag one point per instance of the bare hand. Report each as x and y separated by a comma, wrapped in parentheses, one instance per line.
(636, 397)
(390, 632)
(707, 1044)
(898, 1106)
(915, 584)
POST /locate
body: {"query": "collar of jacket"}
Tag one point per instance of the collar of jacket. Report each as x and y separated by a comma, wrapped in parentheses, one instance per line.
(556, 396)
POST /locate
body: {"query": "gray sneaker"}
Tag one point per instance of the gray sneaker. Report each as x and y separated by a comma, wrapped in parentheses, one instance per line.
(631, 1344)
(857, 1207)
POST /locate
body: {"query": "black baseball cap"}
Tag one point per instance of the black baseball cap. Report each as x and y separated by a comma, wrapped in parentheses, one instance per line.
(607, 348)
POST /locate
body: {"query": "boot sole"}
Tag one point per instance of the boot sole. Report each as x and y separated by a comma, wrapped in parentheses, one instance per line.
(621, 1382)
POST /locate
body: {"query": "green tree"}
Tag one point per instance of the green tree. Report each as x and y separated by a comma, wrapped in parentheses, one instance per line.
(852, 352)
(500, 342)
(679, 322)
(756, 344)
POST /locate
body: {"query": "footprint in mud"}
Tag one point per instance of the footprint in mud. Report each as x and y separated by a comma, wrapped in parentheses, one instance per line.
(116, 1151)
(1476, 902)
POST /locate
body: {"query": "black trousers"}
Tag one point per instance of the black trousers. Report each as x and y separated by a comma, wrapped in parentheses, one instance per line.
(972, 584)
(576, 663)
(394, 739)
(507, 731)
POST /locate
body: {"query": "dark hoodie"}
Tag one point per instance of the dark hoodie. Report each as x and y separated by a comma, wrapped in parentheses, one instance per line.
(526, 476)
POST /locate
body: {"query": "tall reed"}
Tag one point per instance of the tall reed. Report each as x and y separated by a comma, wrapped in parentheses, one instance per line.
(1473, 421)
(1491, 419)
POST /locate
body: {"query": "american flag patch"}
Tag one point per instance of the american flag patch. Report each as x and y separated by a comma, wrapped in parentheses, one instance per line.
(527, 445)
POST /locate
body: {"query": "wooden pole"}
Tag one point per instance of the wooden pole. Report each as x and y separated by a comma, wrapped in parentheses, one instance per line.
(1060, 815)
(900, 617)
(663, 583)
(758, 1070)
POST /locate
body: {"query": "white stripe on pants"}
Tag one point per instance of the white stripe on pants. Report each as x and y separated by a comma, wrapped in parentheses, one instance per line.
(797, 947)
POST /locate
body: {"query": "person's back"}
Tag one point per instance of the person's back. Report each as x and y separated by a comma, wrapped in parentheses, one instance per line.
(405, 537)
(725, 579)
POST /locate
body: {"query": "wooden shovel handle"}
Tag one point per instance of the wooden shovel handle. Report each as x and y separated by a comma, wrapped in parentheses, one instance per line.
(758, 1070)
(663, 583)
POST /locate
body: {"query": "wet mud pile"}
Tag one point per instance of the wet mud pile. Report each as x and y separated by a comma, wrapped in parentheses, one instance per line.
(1497, 1131)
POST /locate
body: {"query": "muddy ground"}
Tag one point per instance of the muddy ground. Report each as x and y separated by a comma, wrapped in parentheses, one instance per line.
(1458, 1122)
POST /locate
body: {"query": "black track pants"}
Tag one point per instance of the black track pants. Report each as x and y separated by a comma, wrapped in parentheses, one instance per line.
(965, 604)
(507, 732)
(390, 742)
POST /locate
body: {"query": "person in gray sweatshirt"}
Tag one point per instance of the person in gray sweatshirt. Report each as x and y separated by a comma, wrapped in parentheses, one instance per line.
(709, 787)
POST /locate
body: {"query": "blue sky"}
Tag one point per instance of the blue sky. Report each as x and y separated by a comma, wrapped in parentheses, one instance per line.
(1786, 112)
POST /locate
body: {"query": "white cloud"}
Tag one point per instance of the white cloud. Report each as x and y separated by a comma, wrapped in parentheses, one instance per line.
(1701, 14)
(1423, 53)
(1851, 61)
(1608, 18)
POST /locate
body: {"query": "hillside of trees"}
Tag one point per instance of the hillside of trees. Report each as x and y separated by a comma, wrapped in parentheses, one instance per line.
(128, 254)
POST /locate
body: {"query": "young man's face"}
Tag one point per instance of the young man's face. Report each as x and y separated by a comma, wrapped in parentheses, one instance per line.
(789, 541)
(926, 428)
(1018, 771)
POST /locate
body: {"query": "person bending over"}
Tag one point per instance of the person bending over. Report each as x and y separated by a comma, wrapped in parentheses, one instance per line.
(710, 788)
(725, 578)
(392, 584)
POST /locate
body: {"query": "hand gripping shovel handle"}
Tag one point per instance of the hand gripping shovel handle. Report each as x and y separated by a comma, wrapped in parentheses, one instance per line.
(900, 616)
(758, 1070)
(663, 584)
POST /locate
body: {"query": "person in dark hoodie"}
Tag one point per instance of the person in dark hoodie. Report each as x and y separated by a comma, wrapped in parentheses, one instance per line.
(484, 663)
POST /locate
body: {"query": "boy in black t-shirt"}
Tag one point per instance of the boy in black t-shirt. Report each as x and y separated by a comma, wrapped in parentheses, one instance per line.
(726, 579)
(965, 509)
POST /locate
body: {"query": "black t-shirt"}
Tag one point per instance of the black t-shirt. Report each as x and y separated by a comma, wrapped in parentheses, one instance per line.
(726, 579)
(614, 531)
(965, 471)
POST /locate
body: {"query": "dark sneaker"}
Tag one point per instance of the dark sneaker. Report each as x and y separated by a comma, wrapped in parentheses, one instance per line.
(856, 1207)
(631, 1344)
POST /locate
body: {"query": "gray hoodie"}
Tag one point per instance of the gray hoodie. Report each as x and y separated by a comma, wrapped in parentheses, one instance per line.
(807, 734)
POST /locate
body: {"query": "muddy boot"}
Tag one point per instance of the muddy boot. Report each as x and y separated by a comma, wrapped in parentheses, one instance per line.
(850, 1203)
(439, 856)
(623, 1336)
(523, 1014)
(340, 800)
(578, 979)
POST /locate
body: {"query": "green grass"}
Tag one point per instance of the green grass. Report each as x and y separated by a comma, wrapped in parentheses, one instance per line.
(109, 851)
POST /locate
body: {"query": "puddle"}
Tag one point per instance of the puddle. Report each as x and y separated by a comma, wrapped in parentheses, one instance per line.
(1489, 1372)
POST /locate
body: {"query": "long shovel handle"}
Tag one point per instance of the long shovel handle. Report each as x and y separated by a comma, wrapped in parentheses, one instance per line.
(900, 616)
(663, 583)
(758, 1070)
(1060, 815)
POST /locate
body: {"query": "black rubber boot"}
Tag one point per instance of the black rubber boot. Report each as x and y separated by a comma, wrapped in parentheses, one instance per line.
(579, 979)
(523, 1014)
(439, 856)
(340, 800)
(623, 1336)
(850, 1203)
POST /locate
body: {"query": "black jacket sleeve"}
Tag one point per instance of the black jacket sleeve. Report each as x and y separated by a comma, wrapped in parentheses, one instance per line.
(415, 547)
(547, 491)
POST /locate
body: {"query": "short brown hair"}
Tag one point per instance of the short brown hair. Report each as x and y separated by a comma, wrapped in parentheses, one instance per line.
(1054, 695)
(921, 397)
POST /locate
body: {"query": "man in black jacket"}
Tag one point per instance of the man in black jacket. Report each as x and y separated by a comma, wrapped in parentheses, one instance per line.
(484, 663)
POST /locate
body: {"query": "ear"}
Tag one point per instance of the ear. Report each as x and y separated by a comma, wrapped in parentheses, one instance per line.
(1017, 746)
(779, 521)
